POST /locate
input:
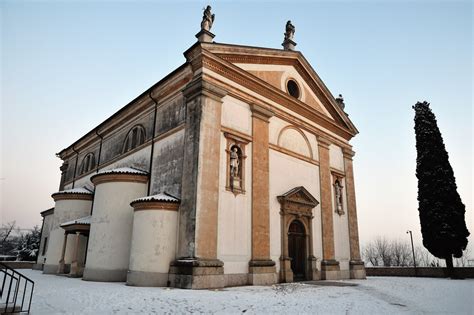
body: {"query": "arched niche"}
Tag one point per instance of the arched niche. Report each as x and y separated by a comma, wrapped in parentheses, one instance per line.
(294, 139)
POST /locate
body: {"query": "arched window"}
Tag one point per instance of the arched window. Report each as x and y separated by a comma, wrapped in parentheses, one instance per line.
(88, 163)
(135, 137)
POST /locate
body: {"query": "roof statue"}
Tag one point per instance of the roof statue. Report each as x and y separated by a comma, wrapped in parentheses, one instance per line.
(289, 31)
(207, 19)
(340, 101)
(288, 43)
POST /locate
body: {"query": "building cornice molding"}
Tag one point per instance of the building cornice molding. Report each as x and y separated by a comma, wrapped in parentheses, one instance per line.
(102, 178)
(154, 205)
(71, 196)
(247, 80)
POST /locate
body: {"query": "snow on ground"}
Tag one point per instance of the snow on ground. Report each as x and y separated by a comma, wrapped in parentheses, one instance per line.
(377, 295)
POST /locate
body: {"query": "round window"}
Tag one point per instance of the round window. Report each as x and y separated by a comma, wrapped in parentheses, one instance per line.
(293, 88)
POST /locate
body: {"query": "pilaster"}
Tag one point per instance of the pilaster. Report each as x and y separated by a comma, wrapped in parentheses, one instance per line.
(197, 266)
(261, 268)
(329, 266)
(356, 265)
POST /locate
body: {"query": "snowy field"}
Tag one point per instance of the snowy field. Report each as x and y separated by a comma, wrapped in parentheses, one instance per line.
(377, 295)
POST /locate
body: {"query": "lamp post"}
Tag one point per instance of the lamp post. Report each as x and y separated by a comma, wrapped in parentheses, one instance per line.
(412, 249)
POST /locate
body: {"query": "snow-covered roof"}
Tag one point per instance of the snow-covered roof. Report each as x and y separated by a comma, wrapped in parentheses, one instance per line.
(80, 190)
(81, 221)
(124, 170)
(164, 197)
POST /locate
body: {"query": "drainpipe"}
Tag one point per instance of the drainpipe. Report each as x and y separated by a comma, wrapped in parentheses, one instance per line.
(75, 166)
(100, 150)
(152, 142)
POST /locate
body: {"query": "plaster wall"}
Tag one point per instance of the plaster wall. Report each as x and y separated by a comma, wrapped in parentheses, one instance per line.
(336, 159)
(234, 218)
(45, 237)
(236, 115)
(64, 210)
(283, 134)
(284, 74)
(268, 101)
(111, 230)
(287, 172)
(167, 169)
(341, 233)
(153, 245)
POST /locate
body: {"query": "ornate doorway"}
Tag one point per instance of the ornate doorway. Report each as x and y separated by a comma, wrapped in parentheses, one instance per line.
(297, 249)
(297, 261)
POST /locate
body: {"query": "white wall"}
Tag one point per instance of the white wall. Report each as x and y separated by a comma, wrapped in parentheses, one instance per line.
(236, 115)
(234, 216)
(64, 210)
(111, 225)
(336, 159)
(47, 226)
(153, 240)
(287, 172)
(341, 232)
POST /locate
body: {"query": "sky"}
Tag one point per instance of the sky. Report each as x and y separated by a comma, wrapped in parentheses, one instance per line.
(67, 66)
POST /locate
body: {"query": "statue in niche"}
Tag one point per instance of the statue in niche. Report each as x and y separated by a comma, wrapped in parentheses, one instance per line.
(234, 167)
(290, 31)
(338, 193)
(207, 19)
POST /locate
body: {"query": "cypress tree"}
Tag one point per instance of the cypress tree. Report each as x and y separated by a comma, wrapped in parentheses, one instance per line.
(440, 207)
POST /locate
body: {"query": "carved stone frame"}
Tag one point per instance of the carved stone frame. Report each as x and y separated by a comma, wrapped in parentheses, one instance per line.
(297, 204)
(241, 144)
(340, 177)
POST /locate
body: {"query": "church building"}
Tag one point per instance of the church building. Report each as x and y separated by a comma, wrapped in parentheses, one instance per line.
(234, 169)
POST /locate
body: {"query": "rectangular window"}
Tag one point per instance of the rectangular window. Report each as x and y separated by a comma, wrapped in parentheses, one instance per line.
(45, 244)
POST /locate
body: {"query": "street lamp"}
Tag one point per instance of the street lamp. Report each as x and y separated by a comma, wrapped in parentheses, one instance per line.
(412, 249)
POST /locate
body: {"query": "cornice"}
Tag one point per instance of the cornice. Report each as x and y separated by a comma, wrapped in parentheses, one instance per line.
(254, 55)
(72, 196)
(261, 112)
(247, 80)
(118, 177)
(154, 205)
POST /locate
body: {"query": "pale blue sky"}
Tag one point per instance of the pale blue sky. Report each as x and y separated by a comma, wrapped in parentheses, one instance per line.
(67, 66)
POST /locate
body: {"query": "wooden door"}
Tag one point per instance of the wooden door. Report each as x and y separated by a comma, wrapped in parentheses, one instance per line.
(297, 249)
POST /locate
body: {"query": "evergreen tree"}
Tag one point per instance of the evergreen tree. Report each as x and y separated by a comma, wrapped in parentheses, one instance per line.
(441, 210)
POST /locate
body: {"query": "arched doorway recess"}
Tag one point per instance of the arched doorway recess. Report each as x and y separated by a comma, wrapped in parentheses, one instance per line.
(297, 261)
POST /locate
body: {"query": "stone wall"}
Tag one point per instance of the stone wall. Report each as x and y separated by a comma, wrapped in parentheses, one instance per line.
(434, 272)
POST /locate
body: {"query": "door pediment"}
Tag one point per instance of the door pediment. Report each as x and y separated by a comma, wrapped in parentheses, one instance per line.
(298, 196)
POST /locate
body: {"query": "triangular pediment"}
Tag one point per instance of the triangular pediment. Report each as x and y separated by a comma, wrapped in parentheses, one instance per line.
(299, 195)
(275, 67)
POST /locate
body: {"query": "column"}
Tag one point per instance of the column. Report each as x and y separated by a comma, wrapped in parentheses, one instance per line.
(261, 268)
(75, 269)
(356, 265)
(61, 267)
(329, 266)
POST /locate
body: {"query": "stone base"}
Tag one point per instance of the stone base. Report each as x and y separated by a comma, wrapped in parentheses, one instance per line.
(37, 267)
(330, 270)
(357, 269)
(103, 275)
(50, 269)
(286, 274)
(205, 36)
(313, 272)
(147, 279)
(77, 270)
(262, 272)
(236, 279)
(63, 269)
(194, 273)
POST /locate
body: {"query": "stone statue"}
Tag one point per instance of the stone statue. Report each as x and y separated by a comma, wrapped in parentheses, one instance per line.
(234, 162)
(338, 192)
(340, 101)
(290, 31)
(207, 19)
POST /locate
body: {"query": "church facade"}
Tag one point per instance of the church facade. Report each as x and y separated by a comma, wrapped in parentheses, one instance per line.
(235, 169)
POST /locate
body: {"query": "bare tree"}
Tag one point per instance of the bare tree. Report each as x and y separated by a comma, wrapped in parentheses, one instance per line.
(369, 254)
(383, 248)
(400, 253)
